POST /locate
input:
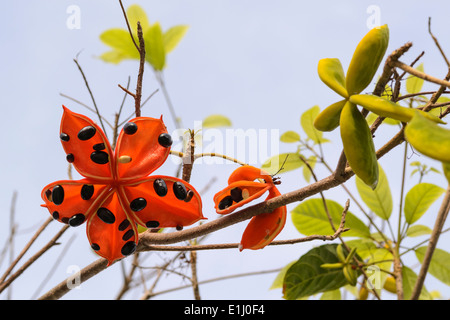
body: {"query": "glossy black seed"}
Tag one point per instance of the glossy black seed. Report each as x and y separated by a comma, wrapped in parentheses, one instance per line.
(70, 158)
(95, 247)
(225, 203)
(236, 194)
(106, 216)
(124, 224)
(138, 204)
(179, 190)
(86, 133)
(87, 191)
(152, 224)
(55, 215)
(160, 187)
(58, 194)
(48, 194)
(179, 228)
(165, 140)
(128, 235)
(189, 196)
(99, 146)
(130, 128)
(128, 248)
(76, 220)
(100, 157)
(64, 136)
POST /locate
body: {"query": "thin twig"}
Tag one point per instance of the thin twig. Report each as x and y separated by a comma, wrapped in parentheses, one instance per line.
(137, 103)
(437, 43)
(440, 219)
(128, 25)
(90, 93)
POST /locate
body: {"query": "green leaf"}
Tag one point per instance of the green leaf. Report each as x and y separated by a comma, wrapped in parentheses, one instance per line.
(409, 280)
(173, 36)
(216, 121)
(380, 199)
(279, 279)
(310, 217)
(439, 265)
(414, 84)
(365, 247)
(331, 73)
(307, 123)
(154, 47)
(418, 230)
(331, 295)
(289, 161)
(305, 277)
(419, 199)
(290, 137)
(113, 56)
(380, 258)
(134, 14)
(446, 169)
(120, 40)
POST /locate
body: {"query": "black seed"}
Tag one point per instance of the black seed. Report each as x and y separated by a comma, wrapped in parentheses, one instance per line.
(95, 247)
(100, 157)
(124, 224)
(86, 133)
(99, 146)
(128, 248)
(58, 194)
(138, 204)
(70, 158)
(77, 220)
(152, 224)
(179, 228)
(87, 191)
(55, 215)
(179, 190)
(130, 128)
(64, 136)
(189, 196)
(225, 203)
(128, 235)
(48, 194)
(236, 194)
(165, 140)
(160, 187)
(106, 216)
(65, 220)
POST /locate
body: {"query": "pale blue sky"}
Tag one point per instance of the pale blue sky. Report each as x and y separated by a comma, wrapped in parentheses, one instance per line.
(253, 61)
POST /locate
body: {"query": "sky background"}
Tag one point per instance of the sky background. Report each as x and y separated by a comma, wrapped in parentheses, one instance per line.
(252, 61)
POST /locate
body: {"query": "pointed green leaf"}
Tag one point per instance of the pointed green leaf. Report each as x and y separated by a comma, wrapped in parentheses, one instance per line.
(446, 169)
(331, 73)
(414, 84)
(409, 280)
(134, 14)
(419, 199)
(154, 47)
(216, 121)
(305, 277)
(120, 40)
(418, 230)
(439, 265)
(379, 200)
(289, 161)
(307, 122)
(290, 137)
(173, 36)
(331, 295)
(310, 218)
(428, 138)
(113, 56)
(279, 279)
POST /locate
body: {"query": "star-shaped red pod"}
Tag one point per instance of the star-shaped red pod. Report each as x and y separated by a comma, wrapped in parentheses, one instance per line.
(117, 192)
(246, 184)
